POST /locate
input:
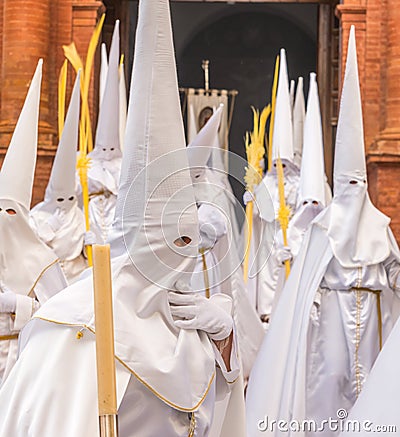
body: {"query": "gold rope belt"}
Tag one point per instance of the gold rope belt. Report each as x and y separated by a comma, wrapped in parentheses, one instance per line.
(205, 273)
(8, 337)
(378, 309)
(105, 193)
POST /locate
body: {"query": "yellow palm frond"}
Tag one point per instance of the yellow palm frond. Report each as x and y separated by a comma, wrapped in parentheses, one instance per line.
(72, 55)
(62, 88)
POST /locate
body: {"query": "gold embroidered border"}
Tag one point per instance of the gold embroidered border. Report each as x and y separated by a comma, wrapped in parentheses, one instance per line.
(358, 333)
(160, 396)
(192, 425)
(40, 276)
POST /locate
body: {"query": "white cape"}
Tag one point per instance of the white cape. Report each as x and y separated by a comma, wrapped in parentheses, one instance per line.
(278, 391)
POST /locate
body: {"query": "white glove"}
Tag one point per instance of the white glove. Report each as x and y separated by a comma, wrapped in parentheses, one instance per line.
(195, 311)
(283, 254)
(247, 197)
(212, 225)
(8, 300)
(56, 220)
(89, 238)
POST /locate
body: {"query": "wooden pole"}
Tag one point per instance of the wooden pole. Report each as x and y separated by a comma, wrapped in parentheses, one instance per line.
(104, 326)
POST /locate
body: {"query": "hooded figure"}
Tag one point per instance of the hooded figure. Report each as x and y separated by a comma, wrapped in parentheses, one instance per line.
(282, 143)
(105, 159)
(58, 220)
(167, 338)
(29, 272)
(265, 225)
(314, 192)
(313, 196)
(212, 222)
(299, 113)
(218, 265)
(330, 320)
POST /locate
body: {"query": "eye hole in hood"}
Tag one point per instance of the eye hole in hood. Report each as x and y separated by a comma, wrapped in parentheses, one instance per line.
(182, 241)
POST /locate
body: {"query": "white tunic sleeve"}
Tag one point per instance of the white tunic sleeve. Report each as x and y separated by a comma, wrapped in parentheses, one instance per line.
(26, 307)
(392, 268)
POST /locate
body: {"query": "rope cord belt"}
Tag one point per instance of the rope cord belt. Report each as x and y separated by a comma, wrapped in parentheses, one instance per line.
(8, 337)
(378, 310)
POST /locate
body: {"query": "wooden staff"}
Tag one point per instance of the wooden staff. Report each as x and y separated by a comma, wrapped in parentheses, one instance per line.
(104, 326)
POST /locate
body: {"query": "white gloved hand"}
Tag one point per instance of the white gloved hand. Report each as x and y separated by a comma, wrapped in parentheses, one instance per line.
(283, 254)
(8, 300)
(212, 225)
(248, 197)
(56, 220)
(89, 238)
(195, 311)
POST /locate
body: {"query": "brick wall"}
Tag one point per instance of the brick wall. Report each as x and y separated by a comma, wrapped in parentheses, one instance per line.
(29, 30)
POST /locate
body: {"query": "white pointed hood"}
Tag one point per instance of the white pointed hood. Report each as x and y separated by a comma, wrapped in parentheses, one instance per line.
(156, 216)
(155, 166)
(282, 139)
(107, 134)
(350, 148)
(312, 174)
(312, 186)
(60, 199)
(358, 232)
(103, 71)
(199, 150)
(60, 191)
(207, 184)
(17, 171)
(23, 257)
(299, 112)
